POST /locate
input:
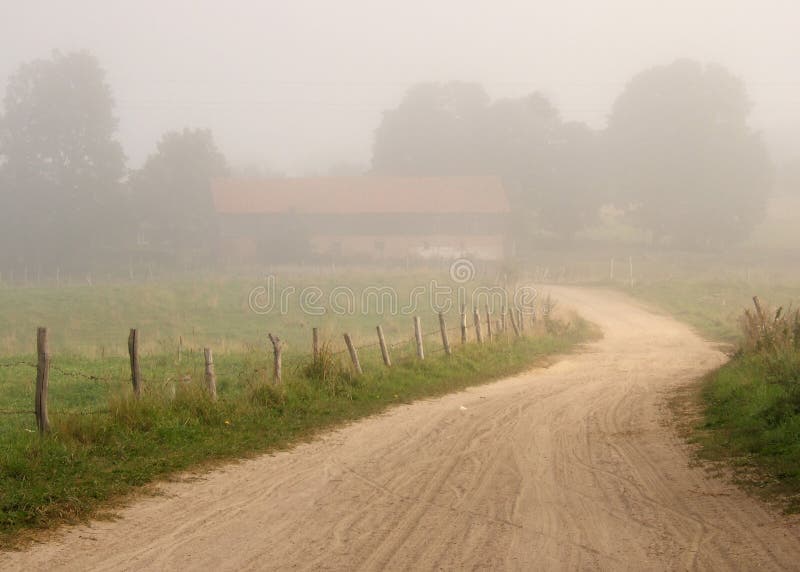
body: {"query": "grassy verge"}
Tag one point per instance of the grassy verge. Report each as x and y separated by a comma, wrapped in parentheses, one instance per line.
(750, 407)
(752, 421)
(105, 445)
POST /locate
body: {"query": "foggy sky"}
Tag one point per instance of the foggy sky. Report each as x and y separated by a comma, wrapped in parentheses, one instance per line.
(299, 85)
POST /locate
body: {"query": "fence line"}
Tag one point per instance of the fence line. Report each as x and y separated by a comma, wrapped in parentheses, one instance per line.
(415, 344)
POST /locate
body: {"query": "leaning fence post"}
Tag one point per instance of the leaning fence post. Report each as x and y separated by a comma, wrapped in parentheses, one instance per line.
(353, 354)
(277, 348)
(211, 377)
(42, 380)
(477, 318)
(443, 328)
(463, 325)
(133, 352)
(418, 338)
(387, 361)
(488, 324)
(315, 344)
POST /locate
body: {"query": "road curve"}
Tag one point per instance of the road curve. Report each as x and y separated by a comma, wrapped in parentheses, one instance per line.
(569, 467)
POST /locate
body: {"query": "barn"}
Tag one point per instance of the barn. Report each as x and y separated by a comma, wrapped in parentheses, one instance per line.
(363, 218)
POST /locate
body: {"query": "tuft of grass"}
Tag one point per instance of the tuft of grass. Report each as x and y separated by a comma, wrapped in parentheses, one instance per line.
(770, 331)
(328, 371)
(105, 444)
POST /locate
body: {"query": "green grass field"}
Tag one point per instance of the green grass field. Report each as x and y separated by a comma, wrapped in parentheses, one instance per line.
(715, 306)
(94, 321)
(105, 444)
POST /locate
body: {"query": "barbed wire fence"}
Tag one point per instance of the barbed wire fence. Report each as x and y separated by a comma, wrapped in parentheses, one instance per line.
(473, 328)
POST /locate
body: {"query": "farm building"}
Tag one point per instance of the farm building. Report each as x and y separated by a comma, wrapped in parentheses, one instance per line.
(365, 218)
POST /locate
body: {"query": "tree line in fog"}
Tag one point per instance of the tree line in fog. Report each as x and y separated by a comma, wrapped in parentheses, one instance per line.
(677, 160)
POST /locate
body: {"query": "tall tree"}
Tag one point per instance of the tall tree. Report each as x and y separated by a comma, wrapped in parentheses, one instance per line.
(577, 183)
(453, 129)
(685, 158)
(436, 130)
(787, 176)
(548, 166)
(521, 141)
(61, 165)
(172, 192)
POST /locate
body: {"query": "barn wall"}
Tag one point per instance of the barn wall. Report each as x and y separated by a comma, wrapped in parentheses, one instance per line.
(254, 237)
(433, 246)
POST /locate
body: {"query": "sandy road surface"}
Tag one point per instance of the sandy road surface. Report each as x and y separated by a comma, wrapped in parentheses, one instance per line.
(571, 467)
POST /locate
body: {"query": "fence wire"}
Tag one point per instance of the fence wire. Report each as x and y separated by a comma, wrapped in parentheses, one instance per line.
(194, 359)
(81, 375)
(80, 413)
(18, 364)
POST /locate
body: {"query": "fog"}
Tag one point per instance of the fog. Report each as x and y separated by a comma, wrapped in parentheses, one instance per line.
(314, 179)
(182, 135)
(297, 87)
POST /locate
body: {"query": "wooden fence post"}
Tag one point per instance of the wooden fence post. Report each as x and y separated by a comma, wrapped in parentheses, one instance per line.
(488, 324)
(277, 348)
(463, 325)
(630, 268)
(133, 352)
(353, 354)
(443, 328)
(477, 318)
(180, 348)
(418, 338)
(513, 322)
(520, 320)
(42, 380)
(387, 361)
(503, 320)
(211, 377)
(315, 344)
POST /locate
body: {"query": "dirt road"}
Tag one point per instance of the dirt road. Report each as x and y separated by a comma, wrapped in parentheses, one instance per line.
(572, 467)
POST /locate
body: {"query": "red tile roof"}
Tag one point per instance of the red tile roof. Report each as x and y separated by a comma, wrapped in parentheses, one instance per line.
(361, 195)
